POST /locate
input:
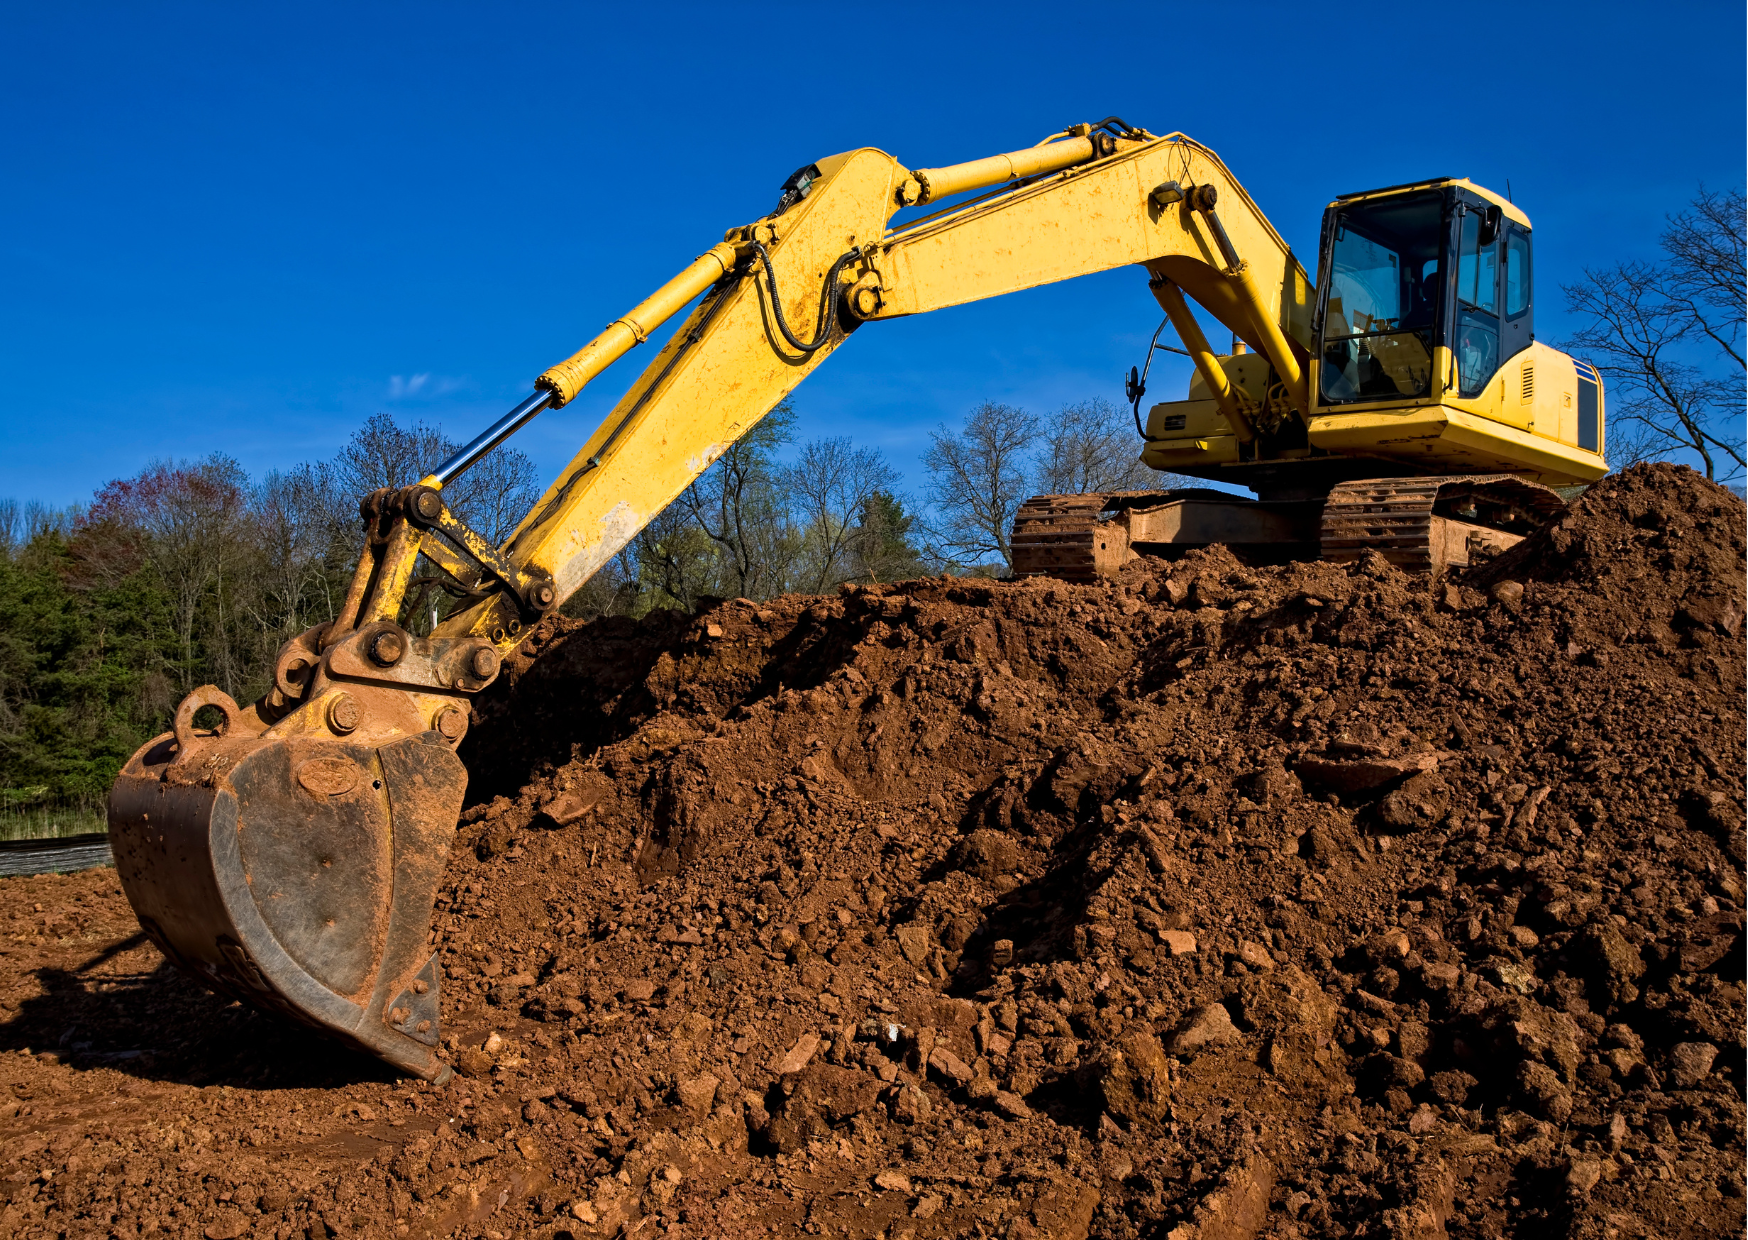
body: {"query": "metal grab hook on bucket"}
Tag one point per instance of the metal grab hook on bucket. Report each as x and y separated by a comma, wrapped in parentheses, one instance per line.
(193, 704)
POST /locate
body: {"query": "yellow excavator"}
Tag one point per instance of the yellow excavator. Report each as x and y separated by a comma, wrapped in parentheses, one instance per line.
(289, 854)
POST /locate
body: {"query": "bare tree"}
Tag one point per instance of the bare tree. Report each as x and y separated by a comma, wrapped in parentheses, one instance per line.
(1090, 447)
(830, 485)
(22, 523)
(492, 496)
(1634, 337)
(977, 481)
(196, 525)
(305, 552)
(1645, 323)
(1707, 267)
(740, 505)
(677, 563)
(496, 494)
(382, 453)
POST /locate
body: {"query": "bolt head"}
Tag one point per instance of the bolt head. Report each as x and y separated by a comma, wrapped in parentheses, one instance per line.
(544, 594)
(429, 505)
(343, 713)
(484, 664)
(387, 647)
(451, 723)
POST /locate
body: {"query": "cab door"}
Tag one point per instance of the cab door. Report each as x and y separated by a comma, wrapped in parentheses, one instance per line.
(1476, 340)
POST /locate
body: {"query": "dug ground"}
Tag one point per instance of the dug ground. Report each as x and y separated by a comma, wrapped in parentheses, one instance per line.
(1213, 901)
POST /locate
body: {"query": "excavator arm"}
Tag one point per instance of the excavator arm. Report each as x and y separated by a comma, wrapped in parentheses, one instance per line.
(289, 852)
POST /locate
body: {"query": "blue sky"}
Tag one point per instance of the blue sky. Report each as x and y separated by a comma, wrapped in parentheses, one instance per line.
(245, 229)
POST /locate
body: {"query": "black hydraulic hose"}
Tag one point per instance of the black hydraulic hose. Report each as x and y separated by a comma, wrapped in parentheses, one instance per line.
(1137, 384)
(1119, 126)
(828, 306)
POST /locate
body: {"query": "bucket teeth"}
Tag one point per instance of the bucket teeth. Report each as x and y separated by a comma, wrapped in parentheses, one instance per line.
(414, 1011)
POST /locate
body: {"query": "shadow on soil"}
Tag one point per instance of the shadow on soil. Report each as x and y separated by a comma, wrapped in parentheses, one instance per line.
(163, 1026)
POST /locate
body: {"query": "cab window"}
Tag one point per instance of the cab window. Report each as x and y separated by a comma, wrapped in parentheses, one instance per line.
(1517, 273)
(1477, 266)
(1477, 334)
(1382, 296)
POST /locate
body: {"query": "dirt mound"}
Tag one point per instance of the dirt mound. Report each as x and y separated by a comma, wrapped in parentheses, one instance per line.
(1210, 901)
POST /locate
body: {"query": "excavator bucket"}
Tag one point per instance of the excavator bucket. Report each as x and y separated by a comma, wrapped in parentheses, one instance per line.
(296, 873)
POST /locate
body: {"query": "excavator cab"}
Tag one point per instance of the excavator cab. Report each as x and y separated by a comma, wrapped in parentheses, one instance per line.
(1421, 358)
(1413, 270)
(1425, 351)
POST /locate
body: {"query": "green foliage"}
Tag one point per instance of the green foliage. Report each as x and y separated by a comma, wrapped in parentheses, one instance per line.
(86, 642)
(884, 548)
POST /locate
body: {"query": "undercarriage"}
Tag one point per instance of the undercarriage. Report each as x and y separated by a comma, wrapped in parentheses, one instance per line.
(1419, 524)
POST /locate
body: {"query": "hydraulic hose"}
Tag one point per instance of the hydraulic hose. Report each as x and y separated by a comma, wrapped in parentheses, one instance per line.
(1137, 385)
(828, 305)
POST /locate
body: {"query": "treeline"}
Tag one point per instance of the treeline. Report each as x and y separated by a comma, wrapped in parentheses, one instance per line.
(186, 574)
(194, 573)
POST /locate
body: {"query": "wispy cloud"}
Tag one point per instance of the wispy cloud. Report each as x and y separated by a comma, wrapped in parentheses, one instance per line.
(406, 387)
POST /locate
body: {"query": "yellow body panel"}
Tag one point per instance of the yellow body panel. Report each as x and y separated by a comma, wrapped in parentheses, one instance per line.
(1186, 434)
(1092, 219)
(1535, 391)
(1511, 427)
(1444, 439)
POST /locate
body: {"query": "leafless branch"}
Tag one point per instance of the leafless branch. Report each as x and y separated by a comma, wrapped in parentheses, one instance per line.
(1638, 318)
(977, 481)
(1089, 447)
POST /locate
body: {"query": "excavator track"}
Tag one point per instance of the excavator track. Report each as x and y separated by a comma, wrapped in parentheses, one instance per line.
(1419, 524)
(1060, 536)
(1422, 524)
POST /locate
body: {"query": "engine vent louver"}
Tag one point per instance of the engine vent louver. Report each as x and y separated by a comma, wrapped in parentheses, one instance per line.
(1529, 383)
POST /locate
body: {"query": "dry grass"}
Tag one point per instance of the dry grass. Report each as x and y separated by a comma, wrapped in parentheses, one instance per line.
(42, 823)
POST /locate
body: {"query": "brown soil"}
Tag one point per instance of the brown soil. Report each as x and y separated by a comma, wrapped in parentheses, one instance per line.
(1211, 902)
